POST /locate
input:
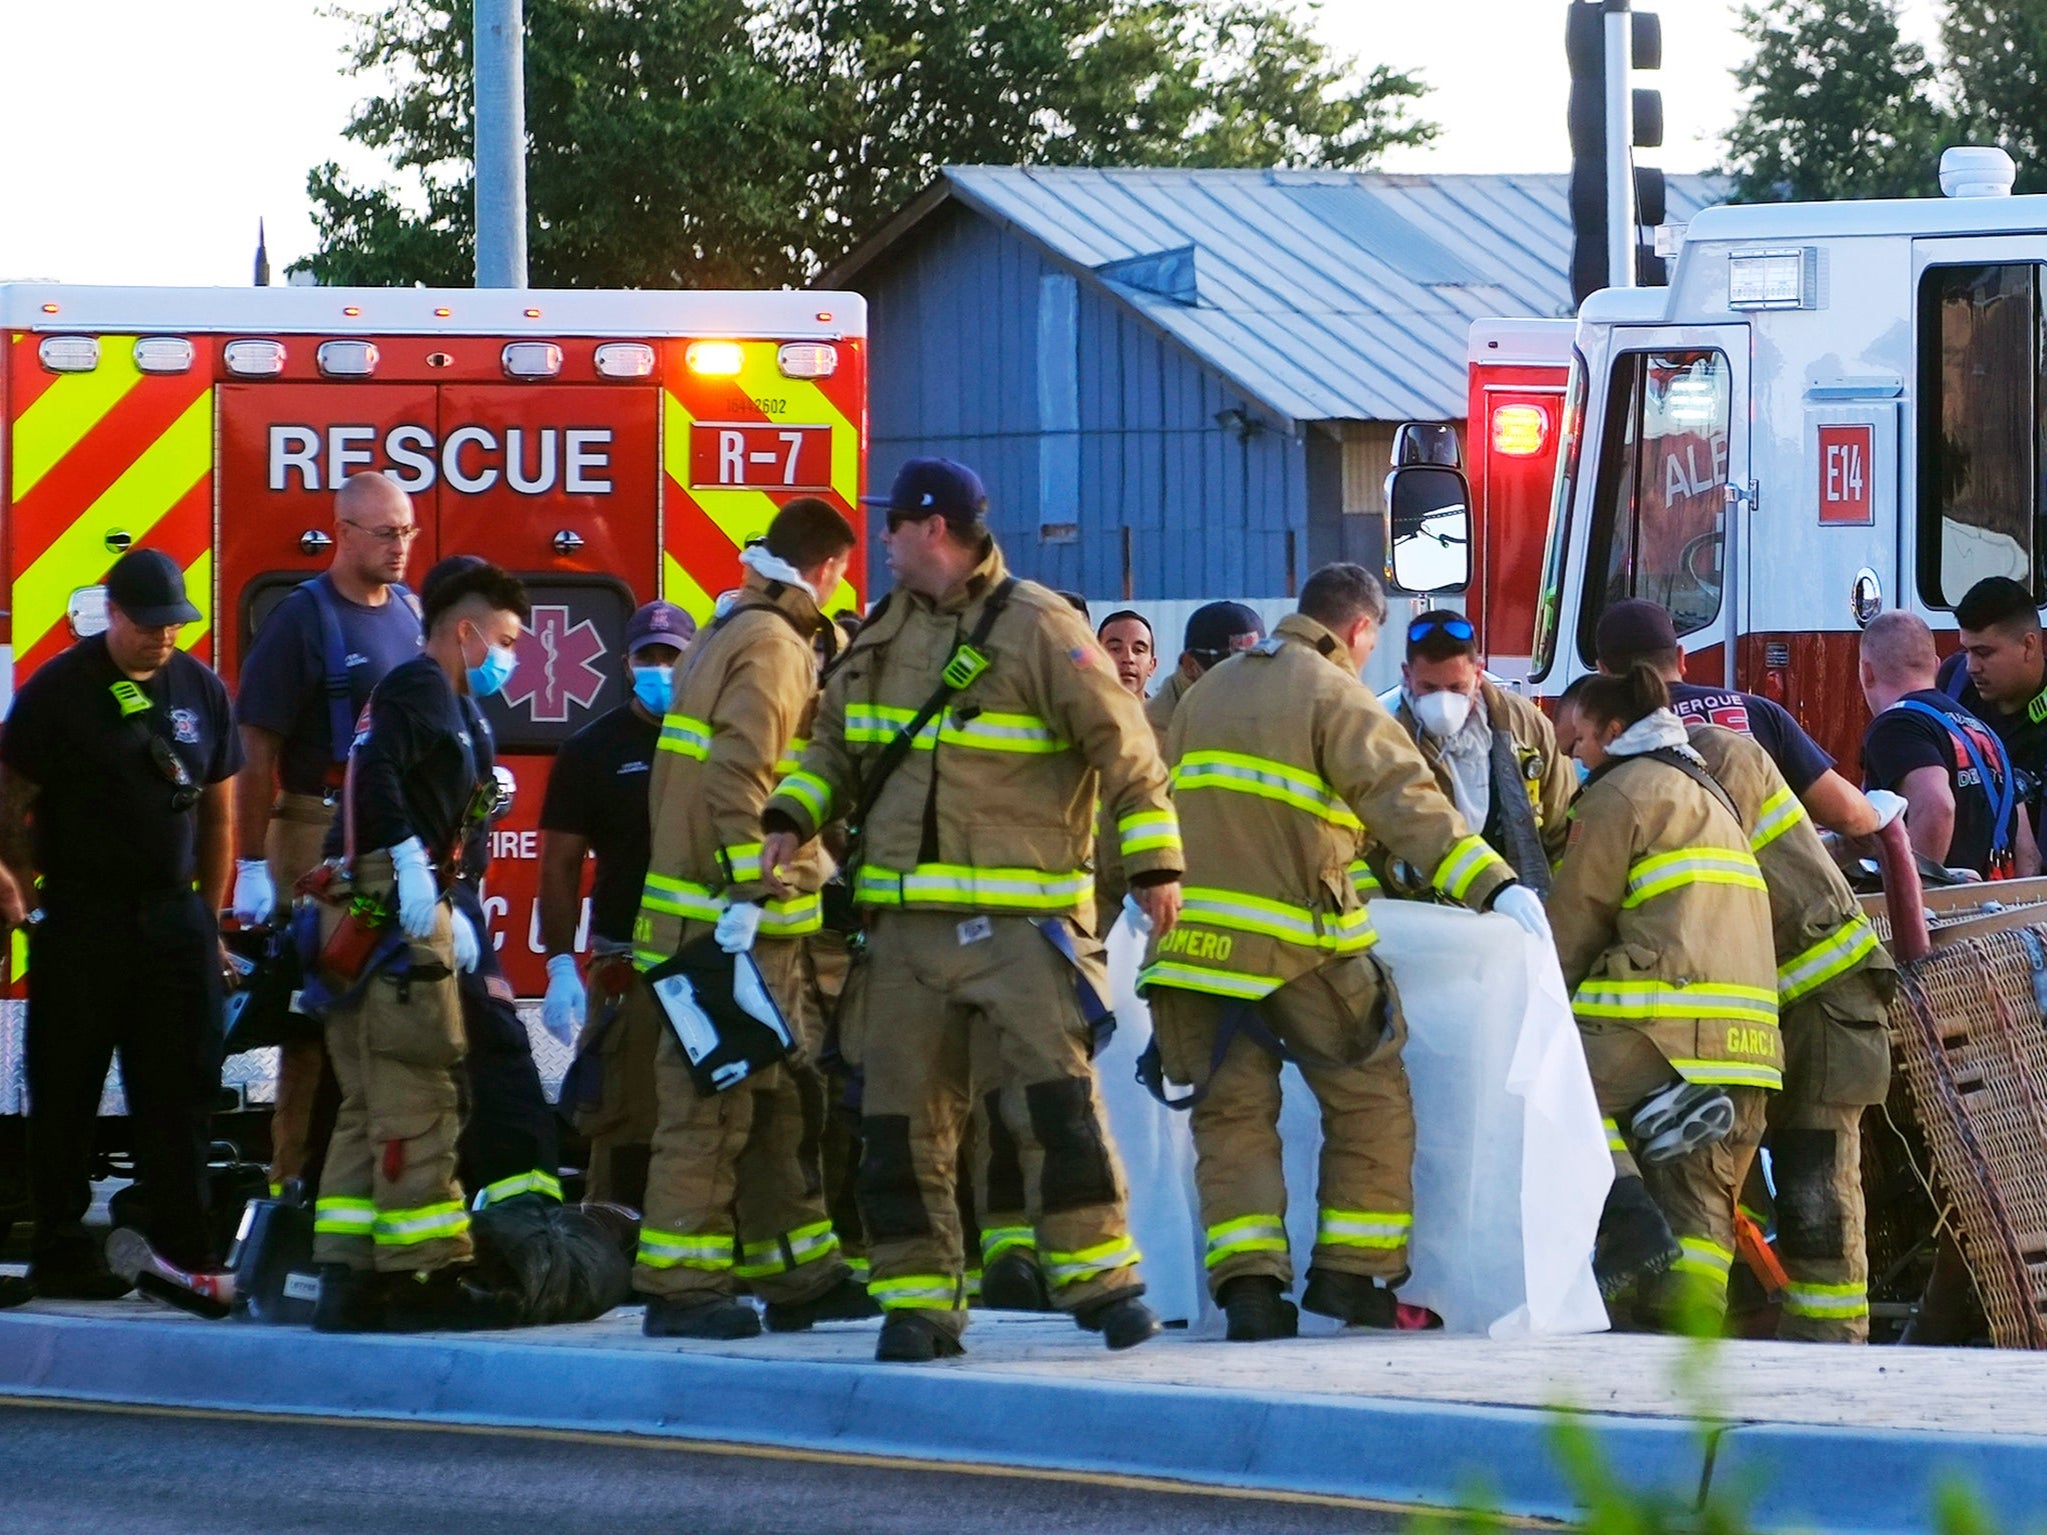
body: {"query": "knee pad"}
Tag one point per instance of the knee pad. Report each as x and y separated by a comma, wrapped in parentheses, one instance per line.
(1809, 1223)
(1005, 1163)
(1077, 1171)
(891, 1201)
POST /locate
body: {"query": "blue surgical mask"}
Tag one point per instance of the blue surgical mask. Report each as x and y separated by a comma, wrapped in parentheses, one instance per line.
(1582, 770)
(495, 670)
(654, 686)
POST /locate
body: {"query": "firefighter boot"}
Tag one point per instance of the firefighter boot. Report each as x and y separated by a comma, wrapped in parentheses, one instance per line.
(907, 1338)
(1357, 1300)
(1679, 1119)
(1123, 1319)
(442, 1300)
(1635, 1241)
(1258, 1309)
(1015, 1282)
(846, 1301)
(349, 1300)
(723, 1317)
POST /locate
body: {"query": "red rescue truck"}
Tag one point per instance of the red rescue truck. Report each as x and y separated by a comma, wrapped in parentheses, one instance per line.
(609, 447)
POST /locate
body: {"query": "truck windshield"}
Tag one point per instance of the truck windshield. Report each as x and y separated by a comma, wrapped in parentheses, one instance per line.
(1543, 652)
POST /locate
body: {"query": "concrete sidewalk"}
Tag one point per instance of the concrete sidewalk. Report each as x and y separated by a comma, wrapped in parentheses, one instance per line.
(1844, 1440)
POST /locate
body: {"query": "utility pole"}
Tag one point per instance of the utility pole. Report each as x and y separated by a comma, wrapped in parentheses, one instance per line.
(1620, 173)
(500, 52)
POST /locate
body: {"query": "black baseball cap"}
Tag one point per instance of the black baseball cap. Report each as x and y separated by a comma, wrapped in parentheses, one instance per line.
(1214, 627)
(935, 487)
(1633, 628)
(148, 586)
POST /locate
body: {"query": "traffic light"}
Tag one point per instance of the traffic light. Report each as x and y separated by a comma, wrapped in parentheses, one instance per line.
(1596, 96)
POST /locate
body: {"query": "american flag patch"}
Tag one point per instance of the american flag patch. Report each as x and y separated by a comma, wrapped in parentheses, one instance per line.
(1082, 657)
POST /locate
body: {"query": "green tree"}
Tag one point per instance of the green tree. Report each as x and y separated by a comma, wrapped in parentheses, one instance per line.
(1997, 61)
(698, 143)
(1836, 105)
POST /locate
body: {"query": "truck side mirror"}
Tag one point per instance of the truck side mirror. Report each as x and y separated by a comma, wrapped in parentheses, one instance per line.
(1429, 506)
(1426, 442)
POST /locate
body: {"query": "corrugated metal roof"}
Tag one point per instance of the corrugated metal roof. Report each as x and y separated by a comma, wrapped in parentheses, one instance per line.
(1323, 295)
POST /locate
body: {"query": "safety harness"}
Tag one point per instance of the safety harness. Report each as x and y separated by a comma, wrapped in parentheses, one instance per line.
(334, 661)
(2003, 855)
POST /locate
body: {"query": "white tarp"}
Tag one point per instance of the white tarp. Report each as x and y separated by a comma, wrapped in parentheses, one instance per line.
(1511, 1166)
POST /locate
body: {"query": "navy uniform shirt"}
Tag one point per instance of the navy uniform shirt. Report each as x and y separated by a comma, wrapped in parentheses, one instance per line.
(413, 768)
(105, 824)
(283, 683)
(1798, 756)
(598, 790)
(1899, 740)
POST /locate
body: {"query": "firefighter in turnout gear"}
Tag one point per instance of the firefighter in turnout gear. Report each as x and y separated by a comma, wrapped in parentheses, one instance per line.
(1834, 985)
(1663, 927)
(391, 1233)
(1284, 765)
(964, 735)
(735, 1195)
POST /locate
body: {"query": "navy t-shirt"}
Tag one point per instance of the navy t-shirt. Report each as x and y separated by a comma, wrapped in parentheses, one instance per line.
(413, 766)
(1900, 740)
(1798, 756)
(104, 817)
(283, 685)
(598, 789)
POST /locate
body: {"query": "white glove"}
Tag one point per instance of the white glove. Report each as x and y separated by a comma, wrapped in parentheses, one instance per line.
(1133, 913)
(255, 895)
(562, 1011)
(1525, 907)
(1888, 806)
(418, 894)
(737, 927)
(468, 947)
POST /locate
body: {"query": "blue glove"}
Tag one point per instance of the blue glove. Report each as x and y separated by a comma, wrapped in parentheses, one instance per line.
(1525, 907)
(736, 928)
(468, 947)
(255, 895)
(418, 893)
(561, 1013)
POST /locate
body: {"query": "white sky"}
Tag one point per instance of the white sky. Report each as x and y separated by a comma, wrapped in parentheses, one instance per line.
(145, 138)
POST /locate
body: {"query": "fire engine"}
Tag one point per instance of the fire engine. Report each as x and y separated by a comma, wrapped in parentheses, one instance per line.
(609, 447)
(1833, 409)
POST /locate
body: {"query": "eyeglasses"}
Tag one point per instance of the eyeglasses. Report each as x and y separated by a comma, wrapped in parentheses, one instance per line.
(897, 516)
(1456, 625)
(403, 535)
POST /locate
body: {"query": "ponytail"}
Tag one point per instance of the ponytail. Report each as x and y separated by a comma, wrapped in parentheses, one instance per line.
(1628, 697)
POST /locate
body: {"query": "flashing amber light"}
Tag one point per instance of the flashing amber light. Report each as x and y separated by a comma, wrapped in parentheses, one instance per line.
(443, 313)
(351, 310)
(1519, 431)
(715, 359)
(51, 308)
(824, 315)
(532, 314)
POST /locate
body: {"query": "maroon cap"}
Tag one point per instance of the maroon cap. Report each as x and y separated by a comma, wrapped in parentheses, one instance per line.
(1633, 628)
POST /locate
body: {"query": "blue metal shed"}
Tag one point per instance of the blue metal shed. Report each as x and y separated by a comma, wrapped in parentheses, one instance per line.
(1183, 384)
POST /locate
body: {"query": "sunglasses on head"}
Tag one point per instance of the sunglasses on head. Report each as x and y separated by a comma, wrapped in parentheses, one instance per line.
(1455, 625)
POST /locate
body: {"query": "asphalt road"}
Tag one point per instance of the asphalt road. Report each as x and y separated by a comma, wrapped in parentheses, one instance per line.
(151, 1474)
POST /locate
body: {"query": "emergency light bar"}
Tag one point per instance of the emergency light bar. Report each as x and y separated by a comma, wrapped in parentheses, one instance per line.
(625, 359)
(808, 359)
(69, 354)
(1774, 279)
(1519, 431)
(532, 359)
(163, 354)
(347, 359)
(254, 359)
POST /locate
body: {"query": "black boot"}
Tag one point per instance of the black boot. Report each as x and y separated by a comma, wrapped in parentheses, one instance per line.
(443, 1300)
(846, 1301)
(350, 1300)
(1358, 1300)
(723, 1318)
(1123, 1320)
(1635, 1241)
(1258, 1309)
(1015, 1282)
(908, 1337)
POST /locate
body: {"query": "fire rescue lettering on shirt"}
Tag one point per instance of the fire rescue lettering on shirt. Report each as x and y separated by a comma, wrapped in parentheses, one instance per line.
(470, 460)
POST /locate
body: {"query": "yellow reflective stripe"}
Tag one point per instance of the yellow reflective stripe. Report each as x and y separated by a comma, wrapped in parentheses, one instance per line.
(1468, 858)
(1826, 1302)
(534, 1182)
(792, 757)
(1728, 1074)
(809, 791)
(1707, 1260)
(1600, 998)
(788, 1252)
(1666, 872)
(997, 1240)
(1146, 831)
(1245, 1234)
(1090, 1262)
(690, 737)
(1379, 1230)
(1217, 983)
(1840, 951)
(680, 898)
(1265, 778)
(878, 724)
(958, 884)
(1780, 812)
(1000, 733)
(710, 1251)
(1364, 881)
(743, 859)
(1614, 1140)
(1340, 932)
(71, 406)
(918, 1292)
(428, 1223)
(339, 1215)
(791, 917)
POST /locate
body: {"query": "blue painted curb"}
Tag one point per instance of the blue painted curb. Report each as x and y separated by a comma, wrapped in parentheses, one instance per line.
(1879, 1481)
(1432, 1454)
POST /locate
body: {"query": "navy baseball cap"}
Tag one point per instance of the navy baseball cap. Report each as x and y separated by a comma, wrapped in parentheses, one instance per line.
(659, 623)
(1214, 628)
(148, 586)
(1631, 628)
(935, 487)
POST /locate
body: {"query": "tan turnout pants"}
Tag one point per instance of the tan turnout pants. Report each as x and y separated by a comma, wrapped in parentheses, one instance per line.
(1343, 1021)
(292, 847)
(620, 1127)
(735, 1192)
(389, 1198)
(932, 980)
